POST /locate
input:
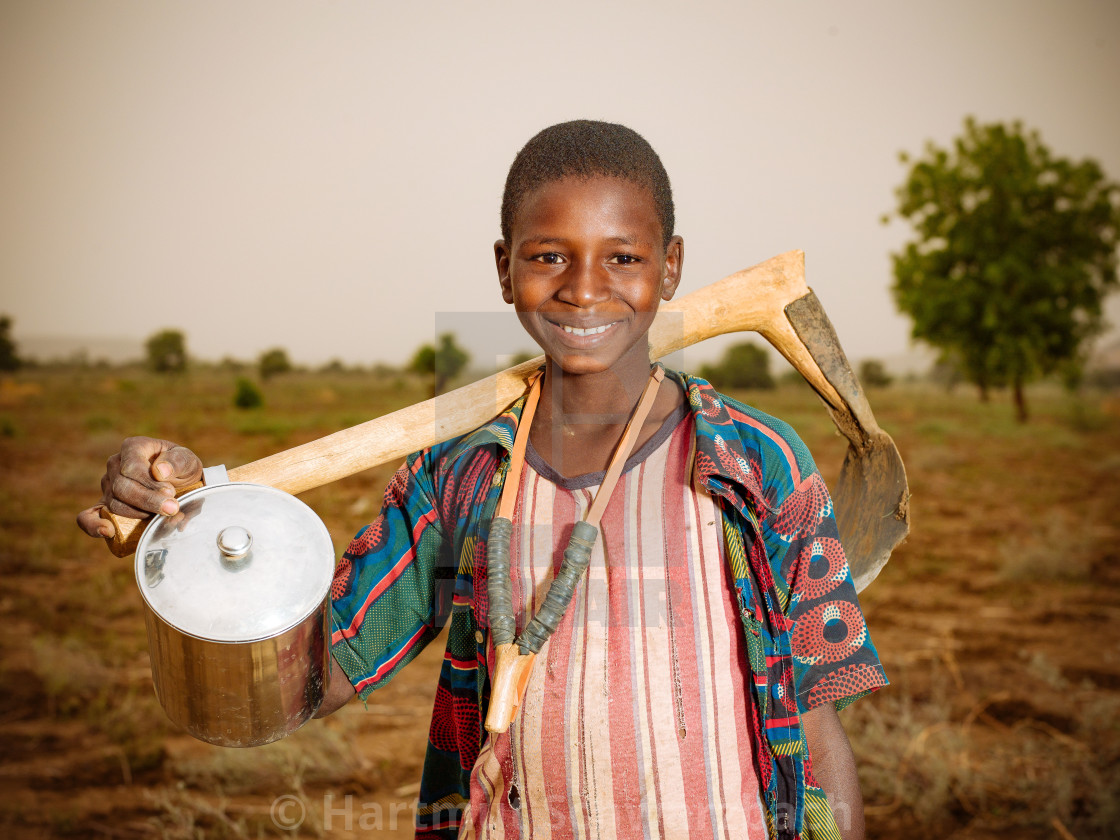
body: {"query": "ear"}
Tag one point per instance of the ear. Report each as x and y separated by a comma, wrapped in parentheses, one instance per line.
(674, 264)
(501, 261)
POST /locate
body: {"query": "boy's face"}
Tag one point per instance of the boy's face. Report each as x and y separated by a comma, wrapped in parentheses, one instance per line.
(586, 271)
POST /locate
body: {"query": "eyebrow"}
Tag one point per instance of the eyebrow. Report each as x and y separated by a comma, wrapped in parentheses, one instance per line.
(556, 240)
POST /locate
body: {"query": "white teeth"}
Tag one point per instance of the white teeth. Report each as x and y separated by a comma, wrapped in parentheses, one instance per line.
(588, 331)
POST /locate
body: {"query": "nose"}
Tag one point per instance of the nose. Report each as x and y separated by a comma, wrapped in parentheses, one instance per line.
(585, 284)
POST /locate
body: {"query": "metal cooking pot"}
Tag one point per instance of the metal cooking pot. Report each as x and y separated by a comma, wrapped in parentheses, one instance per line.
(236, 588)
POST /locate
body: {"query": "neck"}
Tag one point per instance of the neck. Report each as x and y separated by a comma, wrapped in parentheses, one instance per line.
(580, 418)
(592, 400)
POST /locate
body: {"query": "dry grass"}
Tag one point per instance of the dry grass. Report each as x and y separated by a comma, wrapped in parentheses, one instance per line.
(998, 621)
(182, 815)
(932, 761)
(1058, 547)
(318, 756)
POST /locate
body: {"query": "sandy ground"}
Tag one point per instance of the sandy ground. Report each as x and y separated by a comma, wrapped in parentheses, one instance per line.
(998, 622)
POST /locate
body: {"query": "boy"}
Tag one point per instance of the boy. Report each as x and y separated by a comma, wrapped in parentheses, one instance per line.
(691, 686)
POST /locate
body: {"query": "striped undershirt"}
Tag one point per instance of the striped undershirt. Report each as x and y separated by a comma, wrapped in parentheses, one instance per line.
(634, 724)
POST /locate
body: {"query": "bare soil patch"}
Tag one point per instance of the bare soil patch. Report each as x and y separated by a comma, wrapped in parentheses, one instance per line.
(998, 622)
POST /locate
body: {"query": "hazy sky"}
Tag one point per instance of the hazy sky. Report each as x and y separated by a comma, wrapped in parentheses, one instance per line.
(325, 176)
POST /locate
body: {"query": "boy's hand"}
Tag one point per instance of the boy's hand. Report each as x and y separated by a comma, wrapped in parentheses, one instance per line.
(141, 480)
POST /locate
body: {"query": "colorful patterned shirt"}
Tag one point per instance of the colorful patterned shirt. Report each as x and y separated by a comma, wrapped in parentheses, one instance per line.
(633, 724)
(421, 564)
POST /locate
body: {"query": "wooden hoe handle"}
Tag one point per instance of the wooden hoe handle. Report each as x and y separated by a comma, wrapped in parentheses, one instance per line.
(752, 299)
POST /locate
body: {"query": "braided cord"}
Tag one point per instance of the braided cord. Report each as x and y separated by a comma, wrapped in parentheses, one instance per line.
(499, 590)
(577, 556)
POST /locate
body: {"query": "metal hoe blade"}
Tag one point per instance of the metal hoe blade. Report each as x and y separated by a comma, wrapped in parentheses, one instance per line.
(872, 498)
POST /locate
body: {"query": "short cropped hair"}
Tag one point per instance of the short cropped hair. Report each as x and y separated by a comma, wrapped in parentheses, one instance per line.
(584, 149)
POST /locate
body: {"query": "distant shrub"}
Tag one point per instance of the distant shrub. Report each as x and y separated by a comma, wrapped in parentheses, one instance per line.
(792, 377)
(743, 366)
(873, 374)
(167, 352)
(247, 394)
(444, 361)
(273, 362)
(229, 364)
(9, 355)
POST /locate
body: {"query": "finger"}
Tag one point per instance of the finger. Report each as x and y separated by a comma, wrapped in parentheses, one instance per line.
(90, 521)
(123, 494)
(177, 465)
(139, 457)
(134, 500)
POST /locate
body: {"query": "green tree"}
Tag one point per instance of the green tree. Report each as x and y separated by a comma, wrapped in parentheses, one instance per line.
(1014, 254)
(9, 355)
(167, 352)
(445, 361)
(743, 365)
(274, 361)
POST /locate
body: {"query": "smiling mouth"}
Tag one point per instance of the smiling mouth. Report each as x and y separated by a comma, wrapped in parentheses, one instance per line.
(586, 330)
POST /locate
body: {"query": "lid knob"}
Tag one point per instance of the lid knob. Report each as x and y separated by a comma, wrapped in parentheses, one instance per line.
(234, 541)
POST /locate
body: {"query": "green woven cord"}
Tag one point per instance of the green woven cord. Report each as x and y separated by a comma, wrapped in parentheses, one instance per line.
(576, 559)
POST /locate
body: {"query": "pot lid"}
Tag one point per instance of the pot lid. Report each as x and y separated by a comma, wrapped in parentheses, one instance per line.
(238, 563)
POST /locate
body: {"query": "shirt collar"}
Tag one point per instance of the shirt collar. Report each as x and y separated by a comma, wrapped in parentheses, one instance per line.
(721, 465)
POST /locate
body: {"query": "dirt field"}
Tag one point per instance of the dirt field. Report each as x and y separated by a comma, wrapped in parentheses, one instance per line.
(998, 622)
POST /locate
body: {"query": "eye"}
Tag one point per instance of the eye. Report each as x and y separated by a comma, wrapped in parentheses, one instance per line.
(625, 259)
(549, 258)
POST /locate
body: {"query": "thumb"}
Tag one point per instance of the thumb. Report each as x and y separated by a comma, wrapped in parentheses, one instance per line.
(177, 465)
